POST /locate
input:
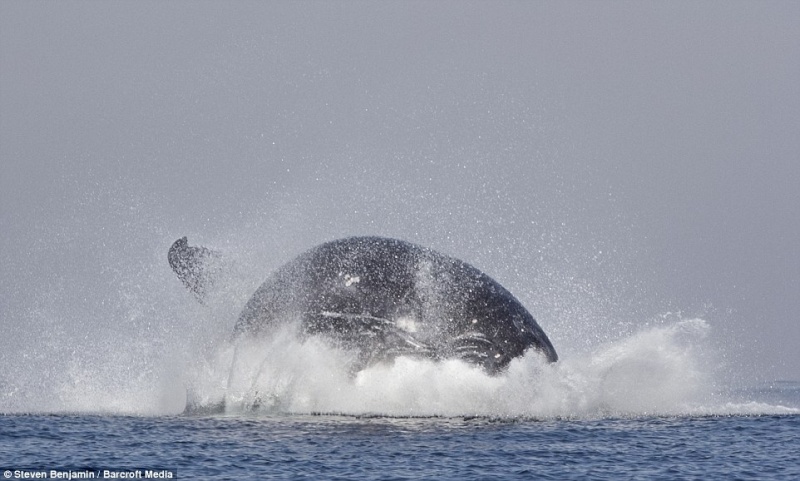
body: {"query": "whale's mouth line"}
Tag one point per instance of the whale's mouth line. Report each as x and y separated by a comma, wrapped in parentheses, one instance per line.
(397, 340)
(473, 346)
(354, 317)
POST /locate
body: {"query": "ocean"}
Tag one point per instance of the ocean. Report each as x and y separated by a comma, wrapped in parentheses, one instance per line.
(643, 407)
(725, 447)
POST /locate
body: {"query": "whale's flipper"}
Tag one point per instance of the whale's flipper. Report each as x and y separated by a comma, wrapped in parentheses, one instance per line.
(194, 266)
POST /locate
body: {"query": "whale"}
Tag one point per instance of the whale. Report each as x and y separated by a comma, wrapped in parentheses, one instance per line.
(381, 298)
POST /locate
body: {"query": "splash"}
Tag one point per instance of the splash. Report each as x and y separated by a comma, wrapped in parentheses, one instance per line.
(658, 371)
(669, 369)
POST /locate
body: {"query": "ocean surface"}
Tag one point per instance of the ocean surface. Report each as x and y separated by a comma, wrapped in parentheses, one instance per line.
(420, 427)
(758, 446)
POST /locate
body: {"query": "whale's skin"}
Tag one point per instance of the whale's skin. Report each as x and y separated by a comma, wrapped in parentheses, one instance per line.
(381, 298)
(193, 266)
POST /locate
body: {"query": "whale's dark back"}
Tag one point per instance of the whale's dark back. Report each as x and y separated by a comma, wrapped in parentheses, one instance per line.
(385, 297)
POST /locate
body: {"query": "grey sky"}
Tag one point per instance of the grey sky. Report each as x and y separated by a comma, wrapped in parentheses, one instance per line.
(607, 161)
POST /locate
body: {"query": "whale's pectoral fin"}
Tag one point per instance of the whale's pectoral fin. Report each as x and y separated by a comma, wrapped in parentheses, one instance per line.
(194, 266)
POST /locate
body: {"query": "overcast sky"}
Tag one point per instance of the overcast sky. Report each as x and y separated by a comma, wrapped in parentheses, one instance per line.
(607, 161)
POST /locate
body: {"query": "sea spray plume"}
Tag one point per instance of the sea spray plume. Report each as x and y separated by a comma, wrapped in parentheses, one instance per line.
(380, 299)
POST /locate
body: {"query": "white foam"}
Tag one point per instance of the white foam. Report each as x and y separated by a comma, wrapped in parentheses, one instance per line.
(658, 371)
(664, 370)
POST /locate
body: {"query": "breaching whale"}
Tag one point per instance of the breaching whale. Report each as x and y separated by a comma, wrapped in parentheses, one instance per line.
(382, 298)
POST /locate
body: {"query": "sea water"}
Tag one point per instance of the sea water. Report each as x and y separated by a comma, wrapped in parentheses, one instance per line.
(646, 406)
(303, 446)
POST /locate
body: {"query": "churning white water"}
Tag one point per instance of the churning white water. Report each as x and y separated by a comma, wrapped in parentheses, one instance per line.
(661, 370)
